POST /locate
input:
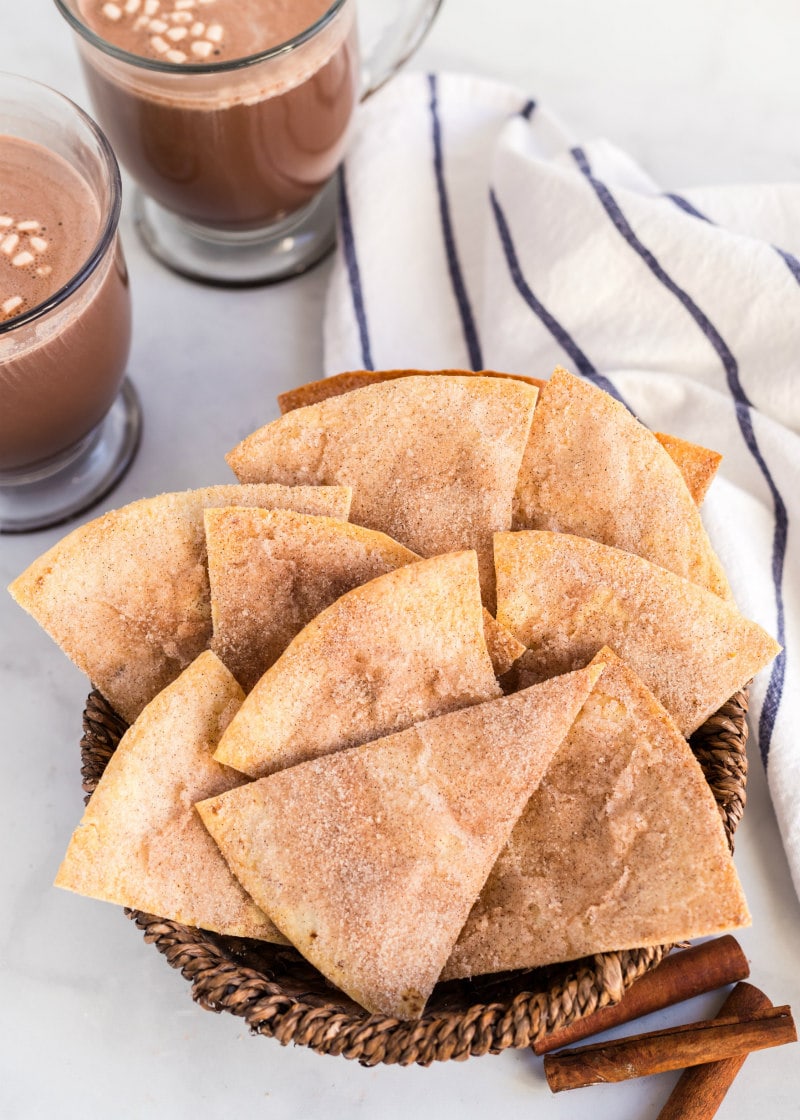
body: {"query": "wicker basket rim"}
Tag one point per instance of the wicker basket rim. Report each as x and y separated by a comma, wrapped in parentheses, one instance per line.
(281, 996)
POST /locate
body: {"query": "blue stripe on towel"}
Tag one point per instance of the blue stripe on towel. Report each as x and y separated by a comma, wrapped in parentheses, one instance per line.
(789, 259)
(685, 205)
(791, 262)
(527, 109)
(353, 272)
(453, 264)
(772, 700)
(562, 336)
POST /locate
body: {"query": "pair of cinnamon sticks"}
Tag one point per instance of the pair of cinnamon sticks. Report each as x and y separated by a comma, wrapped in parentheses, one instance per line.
(711, 1052)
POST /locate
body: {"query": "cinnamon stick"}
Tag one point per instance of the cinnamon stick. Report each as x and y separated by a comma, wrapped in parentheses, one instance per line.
(700, 1090)
(659, 1051)
(680, 976)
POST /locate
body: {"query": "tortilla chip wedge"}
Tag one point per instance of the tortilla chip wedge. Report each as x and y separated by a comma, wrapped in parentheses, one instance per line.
(126, 596)
(621, 846)
(369, 860)
(314, 391)
(141, 843)
(698, 465)
(273, 571)
(402, 648)
(566, 597)
(432, 460)
(592, 469)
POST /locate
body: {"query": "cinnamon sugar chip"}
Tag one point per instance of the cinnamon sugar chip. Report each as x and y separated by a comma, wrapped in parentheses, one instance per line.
(273, 571)
(621, 846)
(141, 843)
(433, 460)
(314, 391)
(126, 596)
(402, 648)
(566, 596)
(369, 860)
(592, 469)
(698, 465)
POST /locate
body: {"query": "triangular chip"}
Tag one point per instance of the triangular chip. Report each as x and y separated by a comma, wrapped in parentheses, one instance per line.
(126, 596)
(432, 460)
(141, 843)
(273, 571)
(566, 596)
(698, 465)
(620, 846)
(592, 469)
(402, 648)
(314, 391)
(369, 860)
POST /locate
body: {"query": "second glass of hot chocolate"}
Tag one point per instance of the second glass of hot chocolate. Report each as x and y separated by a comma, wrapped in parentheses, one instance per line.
(69, 420)
(232, 116)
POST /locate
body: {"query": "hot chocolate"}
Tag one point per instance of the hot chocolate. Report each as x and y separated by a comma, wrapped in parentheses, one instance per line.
(235, 148)
(49, 222)
(60, 369)
(192, 31)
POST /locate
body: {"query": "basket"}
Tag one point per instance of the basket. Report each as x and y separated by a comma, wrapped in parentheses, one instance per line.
(280, 995)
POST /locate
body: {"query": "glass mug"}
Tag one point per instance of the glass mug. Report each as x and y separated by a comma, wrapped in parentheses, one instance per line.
(69, 420)
(235, 160)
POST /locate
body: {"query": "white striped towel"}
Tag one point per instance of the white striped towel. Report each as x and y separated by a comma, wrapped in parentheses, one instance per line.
(475, 234)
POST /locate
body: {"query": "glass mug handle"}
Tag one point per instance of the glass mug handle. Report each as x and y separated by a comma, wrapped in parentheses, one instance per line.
(390, 32)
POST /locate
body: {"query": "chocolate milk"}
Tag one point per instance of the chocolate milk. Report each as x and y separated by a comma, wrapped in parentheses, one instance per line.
(59, 374)
(232, 150)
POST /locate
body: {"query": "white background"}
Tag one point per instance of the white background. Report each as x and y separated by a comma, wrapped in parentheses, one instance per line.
(93, 1023)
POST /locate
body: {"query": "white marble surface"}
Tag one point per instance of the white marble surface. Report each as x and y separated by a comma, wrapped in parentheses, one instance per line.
(92, 1022)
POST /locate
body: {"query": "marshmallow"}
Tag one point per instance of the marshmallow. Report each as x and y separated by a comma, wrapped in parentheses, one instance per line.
(11, 305)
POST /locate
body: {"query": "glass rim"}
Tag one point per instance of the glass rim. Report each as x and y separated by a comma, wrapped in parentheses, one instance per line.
(161, 66)
(108, 227)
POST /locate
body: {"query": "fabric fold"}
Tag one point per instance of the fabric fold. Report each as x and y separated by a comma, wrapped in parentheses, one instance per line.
(479, 231)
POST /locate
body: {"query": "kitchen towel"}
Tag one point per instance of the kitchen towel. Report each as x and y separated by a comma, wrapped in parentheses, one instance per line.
(474, 232)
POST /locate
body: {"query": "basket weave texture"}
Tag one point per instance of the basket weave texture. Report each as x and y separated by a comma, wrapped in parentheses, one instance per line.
(280, 995)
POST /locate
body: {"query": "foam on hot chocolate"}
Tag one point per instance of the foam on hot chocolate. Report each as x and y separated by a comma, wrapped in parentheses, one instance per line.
(200, 31)
(49, 224)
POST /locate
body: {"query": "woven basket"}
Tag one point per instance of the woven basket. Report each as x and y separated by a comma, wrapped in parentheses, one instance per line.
(279, 994)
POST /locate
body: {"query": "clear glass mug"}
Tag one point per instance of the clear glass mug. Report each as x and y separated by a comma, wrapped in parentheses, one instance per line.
(69, 420)
(236, 160)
